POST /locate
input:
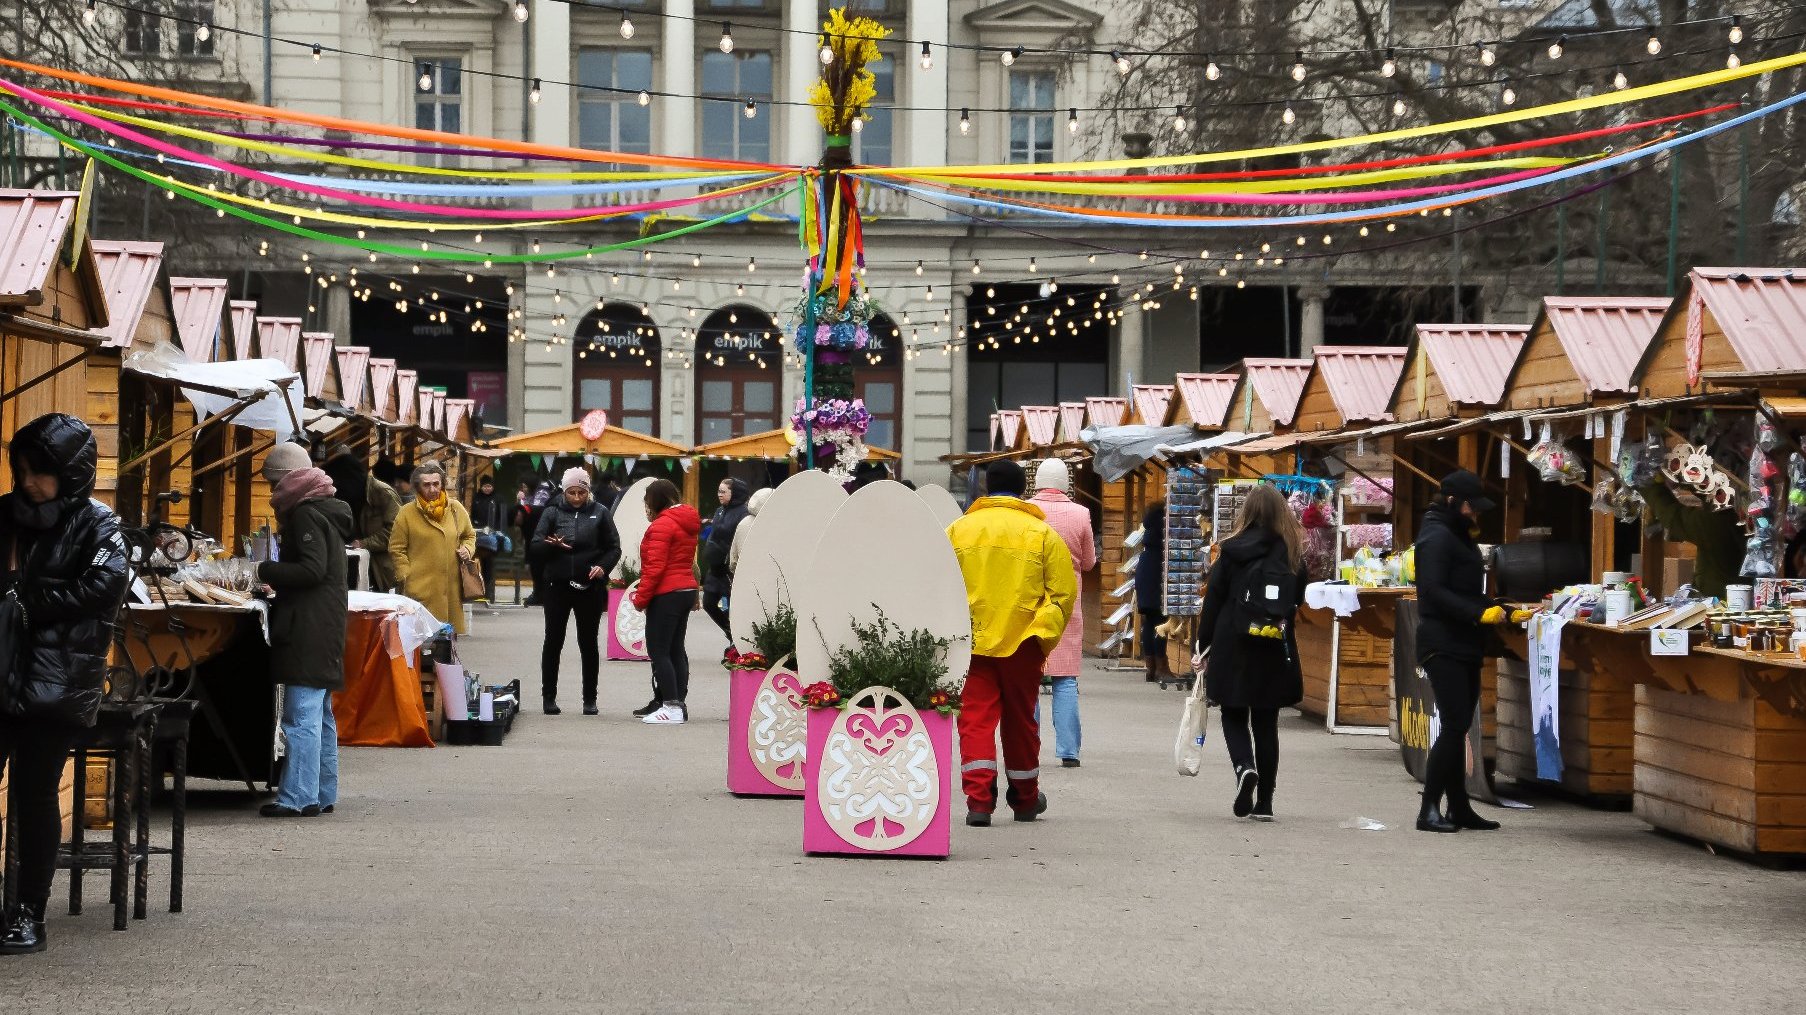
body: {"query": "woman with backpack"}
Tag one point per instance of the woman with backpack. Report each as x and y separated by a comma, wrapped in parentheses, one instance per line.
(1252, 673)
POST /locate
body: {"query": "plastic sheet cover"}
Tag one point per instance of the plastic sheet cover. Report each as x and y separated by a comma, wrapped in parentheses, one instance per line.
(1120, 450)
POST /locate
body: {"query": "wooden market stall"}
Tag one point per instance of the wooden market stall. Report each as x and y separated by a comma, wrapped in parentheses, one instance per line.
(771, 447)
(568, 442)
(139, 313)
(1265, 401)
(51, 300)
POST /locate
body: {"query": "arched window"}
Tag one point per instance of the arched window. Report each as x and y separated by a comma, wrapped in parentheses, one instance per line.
(878, 379)
(739, 374)
(616, 367)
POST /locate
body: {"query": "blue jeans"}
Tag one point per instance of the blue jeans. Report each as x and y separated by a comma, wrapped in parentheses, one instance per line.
(311, 775)
(1065, 716)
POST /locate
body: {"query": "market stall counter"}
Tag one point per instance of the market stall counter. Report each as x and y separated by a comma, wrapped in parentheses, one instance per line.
(1345, 651)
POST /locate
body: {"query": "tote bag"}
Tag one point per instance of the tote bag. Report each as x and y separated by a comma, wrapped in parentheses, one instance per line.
(1188, 746)
(470, 576)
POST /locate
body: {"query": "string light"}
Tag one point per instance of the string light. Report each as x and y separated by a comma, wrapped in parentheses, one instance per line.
(203, 32)
(827, 53)
(927, 56)
(1288, 117)
(1072, 120)
(645, 97)
(1510, 95)
(1122, 63)
(1732, 62)
(965, 121)
(1010, 55)
(89, 13)
(1654, 45)
(752, 265)
(1488, 55)
(520, 10)
(1211, 70)
(1619, 81)
(752, 109)
(533, 93)
(1558, 47)
(626, 26)
(858, 125)
(1298, 67)
(1398, 106)
(727, 38)
(1390, 66)
(316, 52)
(1736, 34)
(918, 269)
(426, 77)
(1179, 123)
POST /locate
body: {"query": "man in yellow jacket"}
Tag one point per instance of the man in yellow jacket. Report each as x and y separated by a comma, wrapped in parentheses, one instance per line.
(1021, 587)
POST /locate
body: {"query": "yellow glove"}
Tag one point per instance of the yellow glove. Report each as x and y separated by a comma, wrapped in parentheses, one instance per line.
(1519, 616)
(1493, 615)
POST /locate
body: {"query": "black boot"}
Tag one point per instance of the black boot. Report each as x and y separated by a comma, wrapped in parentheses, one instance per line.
(1430, 819)
(1461, 815)
(589, 706)
(552, 706)
(23, 931)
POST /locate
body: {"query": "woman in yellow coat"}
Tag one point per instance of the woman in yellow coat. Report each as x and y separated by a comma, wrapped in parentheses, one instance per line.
(432, 533)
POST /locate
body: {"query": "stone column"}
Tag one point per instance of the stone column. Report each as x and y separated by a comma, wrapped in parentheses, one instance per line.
(553, 60)
(335, 312)
(1131, 351)
(677, 76)
(925, 92)
(798, 65)
(957, 373)
(1310, 318)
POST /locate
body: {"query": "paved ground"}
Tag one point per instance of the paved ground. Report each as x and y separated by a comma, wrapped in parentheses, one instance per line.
(598, 865)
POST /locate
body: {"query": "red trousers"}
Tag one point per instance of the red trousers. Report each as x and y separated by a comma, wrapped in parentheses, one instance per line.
(1001, 689)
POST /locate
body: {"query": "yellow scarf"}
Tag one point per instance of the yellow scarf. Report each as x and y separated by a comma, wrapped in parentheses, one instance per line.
(435, 509)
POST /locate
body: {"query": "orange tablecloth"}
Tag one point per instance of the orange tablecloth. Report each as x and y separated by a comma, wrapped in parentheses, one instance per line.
(381, 705)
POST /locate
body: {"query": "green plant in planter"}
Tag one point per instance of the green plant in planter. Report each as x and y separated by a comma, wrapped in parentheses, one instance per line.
(775, 636)
(913, 663)
(630, 573)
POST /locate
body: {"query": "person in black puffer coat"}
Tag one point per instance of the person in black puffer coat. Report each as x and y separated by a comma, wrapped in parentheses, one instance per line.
(1250, 676)
(1150, 592)
(577, 546)
(1452, 608)
(66, 563)
(717, 578)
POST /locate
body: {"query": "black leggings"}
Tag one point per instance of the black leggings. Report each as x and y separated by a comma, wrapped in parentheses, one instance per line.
(667, 621)
(33, 754)
(559, 604)
(711, 605)
(1262, 751)
(1456, 684)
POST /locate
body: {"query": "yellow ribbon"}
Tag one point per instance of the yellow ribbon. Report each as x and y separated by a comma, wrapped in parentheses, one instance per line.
(1057, 185)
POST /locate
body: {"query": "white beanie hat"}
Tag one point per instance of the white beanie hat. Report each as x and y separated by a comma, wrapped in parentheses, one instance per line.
(1052, 474)
(575, 476)
(284, 458)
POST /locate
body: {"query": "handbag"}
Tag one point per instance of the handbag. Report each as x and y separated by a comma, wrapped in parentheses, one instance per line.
(13, 626)
(1188, 746)
(470, 576)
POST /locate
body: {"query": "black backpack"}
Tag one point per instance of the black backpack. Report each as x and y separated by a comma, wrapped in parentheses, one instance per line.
(1265, 595)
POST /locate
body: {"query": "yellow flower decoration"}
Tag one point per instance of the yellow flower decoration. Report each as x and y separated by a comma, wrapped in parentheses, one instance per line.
(846, 87)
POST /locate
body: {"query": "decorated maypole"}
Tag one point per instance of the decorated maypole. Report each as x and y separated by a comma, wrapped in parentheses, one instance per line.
(832, 320)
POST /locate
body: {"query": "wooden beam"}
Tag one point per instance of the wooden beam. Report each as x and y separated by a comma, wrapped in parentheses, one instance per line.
(46, 375)
(195, 429)
(251, 449)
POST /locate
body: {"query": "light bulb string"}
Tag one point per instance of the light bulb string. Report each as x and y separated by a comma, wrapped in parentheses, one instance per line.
(1495, 80)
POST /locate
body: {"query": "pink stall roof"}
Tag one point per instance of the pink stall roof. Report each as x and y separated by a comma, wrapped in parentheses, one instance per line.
(199, 305)
(1605, 336)
(129, 273)
(437, 425)
(1009, 424)
(1206, 397)
(407, 396)
(1072, 420)
(1152, 401)
(1361, 379)
(382, 388)
(1106, 411)
(1473, 361)
(1279, 384)
(319, 361)
(1762, 312)
(457, 418)
(1043, 422)
(33, 225)
(354, 375)
(279, 338)
(244, 329)
(995, 427)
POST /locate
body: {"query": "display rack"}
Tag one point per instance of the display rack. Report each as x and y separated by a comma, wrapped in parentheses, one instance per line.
(1187, 544)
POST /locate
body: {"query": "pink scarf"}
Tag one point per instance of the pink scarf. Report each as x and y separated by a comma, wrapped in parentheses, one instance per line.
(300, 485)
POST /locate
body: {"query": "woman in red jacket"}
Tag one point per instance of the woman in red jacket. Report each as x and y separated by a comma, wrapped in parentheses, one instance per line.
(667, 595)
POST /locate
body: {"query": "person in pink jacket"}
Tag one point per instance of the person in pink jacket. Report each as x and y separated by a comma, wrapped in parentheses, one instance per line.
(1073, 523)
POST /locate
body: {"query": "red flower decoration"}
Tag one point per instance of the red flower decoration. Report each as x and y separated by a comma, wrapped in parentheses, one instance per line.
(821, 695)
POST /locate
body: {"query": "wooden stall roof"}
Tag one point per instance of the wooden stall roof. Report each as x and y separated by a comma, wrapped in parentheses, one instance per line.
(200, 311)
(771, 445)
(458, 413)
(1203, 400)
(438, 425)
(244, 330)
(382, 389)
(1729, 320)
(1455, 367)
(569, 440)
(131, 275)
(1266, 394)
(279, 338)
(1151, 403)
(407, 397)
(1349, 385)
(1583, 347)
(354, 375)
(1072, 421)
(36, 278)
(1106, 411)
(320, 366)
(1009, 428)
(1040, 424)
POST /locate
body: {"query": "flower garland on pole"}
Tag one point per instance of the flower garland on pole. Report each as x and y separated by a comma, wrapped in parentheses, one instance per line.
(833, 317)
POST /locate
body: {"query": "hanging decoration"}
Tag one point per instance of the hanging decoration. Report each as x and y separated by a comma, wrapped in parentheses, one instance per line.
(831, 431)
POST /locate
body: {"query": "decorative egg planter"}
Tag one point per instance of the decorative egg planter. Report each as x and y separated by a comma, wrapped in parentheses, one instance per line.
(767, 732)
(626, 627)
(878, 779)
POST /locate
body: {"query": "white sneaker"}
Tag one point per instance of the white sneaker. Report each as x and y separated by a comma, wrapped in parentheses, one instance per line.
(670, 714)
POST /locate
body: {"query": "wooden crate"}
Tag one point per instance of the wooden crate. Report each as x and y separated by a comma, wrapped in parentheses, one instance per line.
(1595, 709)
(1364, 670)
(1731, 773)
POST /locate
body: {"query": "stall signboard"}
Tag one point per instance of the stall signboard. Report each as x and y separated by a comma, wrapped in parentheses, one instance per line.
(1418, 722)
(1545, 693)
